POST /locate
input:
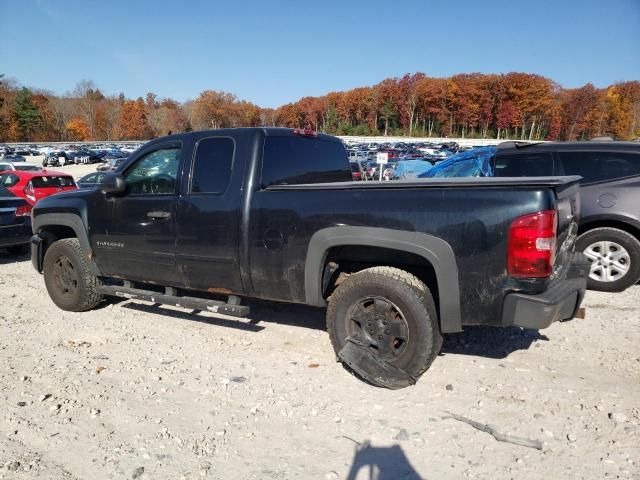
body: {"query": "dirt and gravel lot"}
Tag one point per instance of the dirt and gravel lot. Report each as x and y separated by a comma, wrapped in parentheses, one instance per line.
(133, 390)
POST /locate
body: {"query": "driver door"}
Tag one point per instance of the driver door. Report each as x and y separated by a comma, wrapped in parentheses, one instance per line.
(137, 242)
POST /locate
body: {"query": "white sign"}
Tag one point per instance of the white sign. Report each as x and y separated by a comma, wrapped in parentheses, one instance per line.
(382, 158)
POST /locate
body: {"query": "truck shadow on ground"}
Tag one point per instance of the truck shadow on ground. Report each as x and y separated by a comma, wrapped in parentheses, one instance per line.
(7, 258)
(490, 342)
(381, 463)
(262, 314)
(480, 341)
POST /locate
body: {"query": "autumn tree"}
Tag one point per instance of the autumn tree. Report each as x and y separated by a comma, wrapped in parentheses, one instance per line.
(132, 121)
(78, 130)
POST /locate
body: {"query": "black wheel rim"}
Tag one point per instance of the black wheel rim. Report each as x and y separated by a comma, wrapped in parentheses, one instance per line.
(380, 324)
(65, 276)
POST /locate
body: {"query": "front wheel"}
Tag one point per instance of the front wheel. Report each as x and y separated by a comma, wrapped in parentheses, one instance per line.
(614, 256)
(70, 283)
(383, 325)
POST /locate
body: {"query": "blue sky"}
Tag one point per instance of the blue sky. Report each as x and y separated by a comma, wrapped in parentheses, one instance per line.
(274, 52)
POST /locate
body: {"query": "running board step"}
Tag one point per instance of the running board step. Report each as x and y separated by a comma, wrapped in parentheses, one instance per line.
(193, 303)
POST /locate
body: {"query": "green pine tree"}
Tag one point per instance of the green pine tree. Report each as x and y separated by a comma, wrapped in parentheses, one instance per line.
(26, 114)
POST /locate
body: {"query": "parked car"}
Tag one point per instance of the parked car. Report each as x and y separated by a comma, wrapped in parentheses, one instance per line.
(84, 156)
(27, 167)
(34, 186)
(609, 233)
(93, 179)
(13, 158)
(55, 159)
(356, 174)
(285, 222)
(111, 166)
(15, 222)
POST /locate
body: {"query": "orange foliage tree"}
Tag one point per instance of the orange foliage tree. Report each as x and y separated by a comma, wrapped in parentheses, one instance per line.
(77, 129)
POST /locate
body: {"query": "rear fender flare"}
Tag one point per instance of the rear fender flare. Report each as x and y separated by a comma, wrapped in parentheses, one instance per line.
(435, 250)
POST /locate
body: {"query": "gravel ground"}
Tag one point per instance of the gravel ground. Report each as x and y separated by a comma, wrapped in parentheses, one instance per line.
(132, 390)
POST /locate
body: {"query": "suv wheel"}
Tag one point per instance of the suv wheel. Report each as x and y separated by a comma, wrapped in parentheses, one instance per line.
(383, 325)
(614, 256)
(70, 283)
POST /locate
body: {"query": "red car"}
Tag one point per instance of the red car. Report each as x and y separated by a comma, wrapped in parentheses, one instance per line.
(32, 186)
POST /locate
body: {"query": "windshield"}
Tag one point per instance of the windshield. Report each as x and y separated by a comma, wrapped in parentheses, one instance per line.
(472, 163)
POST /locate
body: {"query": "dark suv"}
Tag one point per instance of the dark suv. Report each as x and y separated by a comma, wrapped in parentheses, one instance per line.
(609, 233)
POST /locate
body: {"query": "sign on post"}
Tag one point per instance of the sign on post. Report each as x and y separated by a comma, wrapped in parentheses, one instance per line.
(381, 159)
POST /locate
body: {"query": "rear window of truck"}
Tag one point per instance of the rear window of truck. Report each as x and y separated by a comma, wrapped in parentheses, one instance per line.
(295, 160)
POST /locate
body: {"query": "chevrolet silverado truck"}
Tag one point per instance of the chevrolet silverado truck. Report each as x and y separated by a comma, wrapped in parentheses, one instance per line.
(203, 219)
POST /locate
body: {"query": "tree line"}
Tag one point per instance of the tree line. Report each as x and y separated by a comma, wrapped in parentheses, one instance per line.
(506, 106)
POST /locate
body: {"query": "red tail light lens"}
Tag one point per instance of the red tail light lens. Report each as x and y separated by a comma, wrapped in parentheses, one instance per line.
(23, 211)
(305, 132)
(29, 192)
(532, 245)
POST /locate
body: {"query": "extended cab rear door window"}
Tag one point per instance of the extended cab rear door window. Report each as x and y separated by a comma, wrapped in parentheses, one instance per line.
(524, 165)
(212, 165)
(599, 166)
(290, 160)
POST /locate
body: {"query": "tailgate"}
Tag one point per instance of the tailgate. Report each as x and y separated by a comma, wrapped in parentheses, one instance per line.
(568, 208)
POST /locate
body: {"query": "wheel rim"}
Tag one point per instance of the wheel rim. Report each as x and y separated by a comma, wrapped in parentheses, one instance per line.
(380, 324)
(65, 276)
(610, 261)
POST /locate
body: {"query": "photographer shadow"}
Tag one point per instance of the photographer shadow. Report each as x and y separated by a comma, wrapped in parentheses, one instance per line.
(381, 463)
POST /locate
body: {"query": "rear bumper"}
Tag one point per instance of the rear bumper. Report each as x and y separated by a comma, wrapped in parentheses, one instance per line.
(559, 302)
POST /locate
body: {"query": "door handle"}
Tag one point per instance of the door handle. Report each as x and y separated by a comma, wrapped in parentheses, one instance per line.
(159, 215)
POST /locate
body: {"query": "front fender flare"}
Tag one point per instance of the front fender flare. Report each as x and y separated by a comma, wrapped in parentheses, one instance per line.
(74, 222)
(435, 250)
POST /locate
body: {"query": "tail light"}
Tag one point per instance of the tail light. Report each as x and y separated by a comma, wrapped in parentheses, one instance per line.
(532, 245)
(23, 210)
(29, 192)
(305, 132)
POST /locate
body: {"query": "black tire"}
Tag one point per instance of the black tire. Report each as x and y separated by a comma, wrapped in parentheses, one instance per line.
(19, 249)
(70, 283)
(405, 357)
(605, 275)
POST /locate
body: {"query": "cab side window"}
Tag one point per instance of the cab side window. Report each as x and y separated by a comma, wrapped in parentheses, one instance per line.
(155, 173)
(599, 166)
(212, 165)
(524, 165)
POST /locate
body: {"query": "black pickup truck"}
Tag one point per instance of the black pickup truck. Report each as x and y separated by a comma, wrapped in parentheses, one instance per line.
(274, 214)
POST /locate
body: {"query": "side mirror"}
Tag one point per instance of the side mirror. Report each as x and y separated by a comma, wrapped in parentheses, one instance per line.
(113, 184)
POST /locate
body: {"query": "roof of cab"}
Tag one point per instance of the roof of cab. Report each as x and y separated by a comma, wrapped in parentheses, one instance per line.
(598, 145)
(233, 132)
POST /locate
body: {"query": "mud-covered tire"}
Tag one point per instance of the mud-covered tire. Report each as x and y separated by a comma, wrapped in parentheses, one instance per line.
(614, 256)
(70, 283)
(407, 295)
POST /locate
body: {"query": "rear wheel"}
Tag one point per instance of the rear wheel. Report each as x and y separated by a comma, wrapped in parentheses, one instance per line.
(70, 283)
(614, 256)
(383, 325)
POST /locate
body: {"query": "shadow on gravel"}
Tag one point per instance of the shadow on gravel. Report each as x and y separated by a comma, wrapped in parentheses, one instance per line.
(490, 342)
(7, 258)
(261, 312)
(381, 463)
